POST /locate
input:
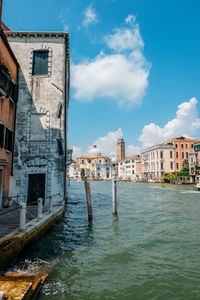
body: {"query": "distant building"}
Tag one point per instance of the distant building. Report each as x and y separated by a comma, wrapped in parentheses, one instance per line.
(120, 151)
(8, 105)
(156, 161)
(130, 168)
(40, 155)
(97, 167)
(182, 147)
(194, 162)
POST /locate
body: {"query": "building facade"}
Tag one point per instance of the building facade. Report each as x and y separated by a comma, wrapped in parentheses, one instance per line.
(120, 151)
(8, 104)
(194, 162)
(130, 168)
(182, 147)
(156, 161)
(95, 167)
(41, 123)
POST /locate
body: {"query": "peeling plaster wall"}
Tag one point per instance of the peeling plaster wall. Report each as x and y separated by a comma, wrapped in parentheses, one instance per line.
(39, 97)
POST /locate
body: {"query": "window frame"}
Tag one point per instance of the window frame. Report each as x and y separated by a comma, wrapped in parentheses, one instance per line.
(46, 74)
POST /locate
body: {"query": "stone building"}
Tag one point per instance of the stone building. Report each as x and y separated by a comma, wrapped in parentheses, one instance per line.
(41, 124)
(130, 168)
(156, 161)
(120, 151)
(8, 104)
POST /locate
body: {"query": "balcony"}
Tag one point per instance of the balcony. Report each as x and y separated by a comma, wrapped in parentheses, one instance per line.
(7, 86)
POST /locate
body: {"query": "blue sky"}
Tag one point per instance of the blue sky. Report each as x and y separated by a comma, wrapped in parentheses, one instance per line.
(135, 67)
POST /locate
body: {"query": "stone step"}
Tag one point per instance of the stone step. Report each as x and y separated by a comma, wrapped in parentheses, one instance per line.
(19, 286)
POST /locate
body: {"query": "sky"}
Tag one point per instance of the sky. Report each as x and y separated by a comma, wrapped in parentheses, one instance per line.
(135, 67)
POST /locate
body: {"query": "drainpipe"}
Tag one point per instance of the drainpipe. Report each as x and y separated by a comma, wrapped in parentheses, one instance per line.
(66, 102)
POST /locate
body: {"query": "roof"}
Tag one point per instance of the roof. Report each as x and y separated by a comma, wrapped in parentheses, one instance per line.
(131, 157)
(4, 27)
(10, 33)
(92, 157)
(182, 138)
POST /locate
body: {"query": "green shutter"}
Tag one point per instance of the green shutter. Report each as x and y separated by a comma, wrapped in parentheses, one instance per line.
(40, 62)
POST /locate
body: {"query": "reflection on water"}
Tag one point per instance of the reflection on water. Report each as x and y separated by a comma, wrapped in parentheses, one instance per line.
(149, 251)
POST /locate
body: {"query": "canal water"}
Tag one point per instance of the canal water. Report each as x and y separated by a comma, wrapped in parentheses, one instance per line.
(150, 251)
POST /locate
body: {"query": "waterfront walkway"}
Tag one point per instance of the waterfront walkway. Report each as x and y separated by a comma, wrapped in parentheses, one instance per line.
(9, 218)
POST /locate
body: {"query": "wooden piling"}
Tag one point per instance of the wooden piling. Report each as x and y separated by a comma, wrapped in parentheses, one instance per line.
(88, 198)
(114, 194)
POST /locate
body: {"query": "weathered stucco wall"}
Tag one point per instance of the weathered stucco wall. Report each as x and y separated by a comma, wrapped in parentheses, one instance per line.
(38, 126)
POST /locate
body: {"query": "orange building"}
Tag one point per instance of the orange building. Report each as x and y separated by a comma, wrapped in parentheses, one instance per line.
(8, 102)
(182, 147)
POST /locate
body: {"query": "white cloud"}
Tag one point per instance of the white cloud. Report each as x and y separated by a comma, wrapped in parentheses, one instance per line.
(132, 150)
(62, 18)
(90, 16)
(107, 144)
(126, 38)
(186, 123)
(120, 76)
(77, 151)
(66, 28)
(130, 19)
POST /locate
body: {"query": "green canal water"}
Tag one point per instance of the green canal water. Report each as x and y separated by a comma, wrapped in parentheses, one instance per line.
(150, 251)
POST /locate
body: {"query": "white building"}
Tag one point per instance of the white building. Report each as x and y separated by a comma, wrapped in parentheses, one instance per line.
(156, 161)
(95, 166)
(130, 168)
(40, 154)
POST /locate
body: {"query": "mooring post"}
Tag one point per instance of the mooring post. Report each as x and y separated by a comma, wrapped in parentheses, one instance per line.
(40, 202)
(50, 204)
(114, 192)
(88, 198)
(2, 294)
(22, 222)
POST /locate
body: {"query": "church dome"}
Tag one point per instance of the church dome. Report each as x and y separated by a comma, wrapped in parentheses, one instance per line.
(94, 151)
(113, 160)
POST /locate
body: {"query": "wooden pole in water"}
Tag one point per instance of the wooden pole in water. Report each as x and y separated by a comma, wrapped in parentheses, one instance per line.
(88, 198)
(114, 193)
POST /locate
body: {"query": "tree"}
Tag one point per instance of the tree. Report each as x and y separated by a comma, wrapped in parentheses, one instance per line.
(185, 165)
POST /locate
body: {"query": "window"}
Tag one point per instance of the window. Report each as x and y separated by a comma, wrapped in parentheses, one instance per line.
(82, 161)
(2, 135)
(171, 165)
(191, 145)
(176, 154)
(9, 140)
(89, 161)
(191, 160)
(176, 145)
(186, 154)
(161, 165)
(182, 146)
(133, 172)
(40, 63)
(186, 145)
(100, 161)
(171, 154)
(182, 154)
(161, 154)
(177, 166)
(60, 146)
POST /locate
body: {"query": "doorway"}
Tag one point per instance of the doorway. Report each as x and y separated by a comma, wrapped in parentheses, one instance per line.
(36, 188)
